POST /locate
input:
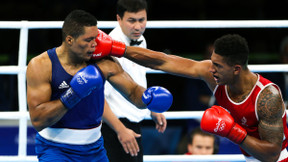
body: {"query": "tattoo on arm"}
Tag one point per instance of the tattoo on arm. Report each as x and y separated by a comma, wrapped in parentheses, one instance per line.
(270, 110)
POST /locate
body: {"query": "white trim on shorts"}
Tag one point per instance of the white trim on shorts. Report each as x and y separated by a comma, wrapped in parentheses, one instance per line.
(72, 136)
(283, 155)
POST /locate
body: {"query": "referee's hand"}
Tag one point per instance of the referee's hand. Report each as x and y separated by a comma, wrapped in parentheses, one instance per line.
(127, 138)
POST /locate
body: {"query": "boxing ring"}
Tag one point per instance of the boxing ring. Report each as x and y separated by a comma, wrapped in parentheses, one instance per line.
(20, 70)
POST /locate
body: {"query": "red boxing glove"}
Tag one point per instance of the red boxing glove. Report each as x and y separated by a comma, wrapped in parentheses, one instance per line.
(217, 120)
(107, 46)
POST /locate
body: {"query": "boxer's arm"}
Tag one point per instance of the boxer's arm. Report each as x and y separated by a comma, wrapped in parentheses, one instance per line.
(106, 46)
(126, 137)
(156, 99)
(43, 112)
(122, 81)
(270, 109)
(134, 93)
(171, 64)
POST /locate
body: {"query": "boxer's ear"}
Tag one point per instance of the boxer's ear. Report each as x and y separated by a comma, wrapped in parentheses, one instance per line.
(237, 69)
(69, 39)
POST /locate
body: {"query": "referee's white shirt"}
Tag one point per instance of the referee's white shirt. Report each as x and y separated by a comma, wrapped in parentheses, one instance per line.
(118, 104)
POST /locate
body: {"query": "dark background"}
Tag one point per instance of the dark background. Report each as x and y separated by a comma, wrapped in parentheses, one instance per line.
(192, 43)
(264, 42)
(178, 41)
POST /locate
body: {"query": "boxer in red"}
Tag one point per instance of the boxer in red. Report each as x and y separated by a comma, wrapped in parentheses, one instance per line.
(252, 112)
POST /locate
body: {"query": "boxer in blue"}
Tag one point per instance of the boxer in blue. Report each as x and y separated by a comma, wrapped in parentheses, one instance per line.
(65, 94)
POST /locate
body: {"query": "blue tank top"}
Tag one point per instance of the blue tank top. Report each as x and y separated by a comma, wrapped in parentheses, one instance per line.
(88, 112)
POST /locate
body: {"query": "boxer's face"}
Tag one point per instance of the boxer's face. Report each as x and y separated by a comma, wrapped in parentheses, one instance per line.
(84, 45)
(221, 71)
(133, 24)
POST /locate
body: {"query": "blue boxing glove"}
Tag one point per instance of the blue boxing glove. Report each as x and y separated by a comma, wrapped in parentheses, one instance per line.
(81, 85)
(157, 99)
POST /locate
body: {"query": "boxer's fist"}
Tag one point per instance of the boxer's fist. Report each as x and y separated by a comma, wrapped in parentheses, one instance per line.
(81, 85)
(217, 120)
(107, 46)
(157, 99)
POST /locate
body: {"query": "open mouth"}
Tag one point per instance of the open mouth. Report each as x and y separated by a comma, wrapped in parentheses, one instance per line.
(90, 53)
(216, 78)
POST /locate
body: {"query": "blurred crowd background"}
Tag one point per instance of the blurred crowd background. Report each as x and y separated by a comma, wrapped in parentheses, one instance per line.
(189, 94)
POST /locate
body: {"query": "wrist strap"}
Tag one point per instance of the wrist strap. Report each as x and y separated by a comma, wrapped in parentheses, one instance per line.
(237, 134)
(69, 98)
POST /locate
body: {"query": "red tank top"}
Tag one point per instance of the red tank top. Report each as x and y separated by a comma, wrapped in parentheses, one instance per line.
(244, 113)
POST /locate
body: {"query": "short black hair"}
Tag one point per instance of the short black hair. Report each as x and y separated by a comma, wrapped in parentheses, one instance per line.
(75, 22)
(130, 6)
(234, 48)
